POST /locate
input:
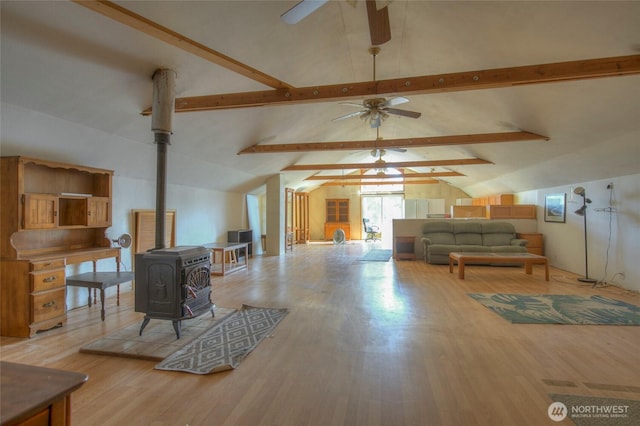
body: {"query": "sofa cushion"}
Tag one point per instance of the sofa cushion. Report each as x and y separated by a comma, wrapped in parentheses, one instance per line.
(437, 226)
(497, 233)
(468, 233)
(440, 238)
(438, 232)
(445, 249)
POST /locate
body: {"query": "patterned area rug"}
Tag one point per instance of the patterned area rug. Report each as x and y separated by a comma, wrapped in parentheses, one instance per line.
(591, 410)
(560, 309)
(225, 345)
(377, 255)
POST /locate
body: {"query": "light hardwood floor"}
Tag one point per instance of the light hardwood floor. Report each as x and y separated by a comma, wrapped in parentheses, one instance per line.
(365, 343)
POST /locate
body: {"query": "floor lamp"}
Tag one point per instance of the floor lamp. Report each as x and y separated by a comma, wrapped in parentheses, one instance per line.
(582, 211)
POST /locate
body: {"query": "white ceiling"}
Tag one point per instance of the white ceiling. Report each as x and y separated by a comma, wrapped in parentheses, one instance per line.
(66, 61)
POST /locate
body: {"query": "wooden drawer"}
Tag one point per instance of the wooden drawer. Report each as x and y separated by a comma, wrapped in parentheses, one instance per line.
(48, 304)
(41, 265)
(47, 280)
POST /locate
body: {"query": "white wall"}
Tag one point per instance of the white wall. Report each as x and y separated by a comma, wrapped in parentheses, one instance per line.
(613, 236)
(202, 215)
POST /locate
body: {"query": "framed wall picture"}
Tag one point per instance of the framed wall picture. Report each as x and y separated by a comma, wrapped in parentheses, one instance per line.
(554, 208)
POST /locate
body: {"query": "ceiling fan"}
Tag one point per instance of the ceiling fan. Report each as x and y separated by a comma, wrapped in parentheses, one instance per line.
(377, 109)
(377, 14)
(381, 165)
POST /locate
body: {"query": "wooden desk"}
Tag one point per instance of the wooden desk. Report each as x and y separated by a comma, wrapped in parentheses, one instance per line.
(100, 280)
(527, 258)
(33, 291)
(233, 251)
(36, 395)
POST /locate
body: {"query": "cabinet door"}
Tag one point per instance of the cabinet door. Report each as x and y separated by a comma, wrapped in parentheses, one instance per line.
(40, 211)
(343, 211)
(98, 213)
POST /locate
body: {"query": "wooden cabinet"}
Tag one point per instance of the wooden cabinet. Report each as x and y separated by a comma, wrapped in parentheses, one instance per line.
(330, 229)
(53, 195)
(467, 211)
(515, 211)
(337, 217)
(501, 199)
(337, 210)
(405, 248)
(536, 242)
(51, 213)
(33, 296)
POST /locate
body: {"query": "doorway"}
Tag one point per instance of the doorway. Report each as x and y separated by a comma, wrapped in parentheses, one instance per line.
(381, 210)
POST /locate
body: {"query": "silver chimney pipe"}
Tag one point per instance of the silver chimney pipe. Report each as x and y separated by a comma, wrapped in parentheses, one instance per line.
(162, 111)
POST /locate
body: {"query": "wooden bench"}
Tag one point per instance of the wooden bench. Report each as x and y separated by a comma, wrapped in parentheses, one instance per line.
(100, 280)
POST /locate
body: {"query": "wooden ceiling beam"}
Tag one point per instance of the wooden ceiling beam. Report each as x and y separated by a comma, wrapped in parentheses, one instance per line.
(401, 175)
(395, 143)
(388, 164)
(450, 82)
(383, 182)
(153, 29)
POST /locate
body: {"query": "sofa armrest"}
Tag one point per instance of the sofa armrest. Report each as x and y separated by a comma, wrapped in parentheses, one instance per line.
(519, 242)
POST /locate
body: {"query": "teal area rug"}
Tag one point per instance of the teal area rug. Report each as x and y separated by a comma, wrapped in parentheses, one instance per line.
(560, 309)
(377, 255)
(226, 344)
(590, 410)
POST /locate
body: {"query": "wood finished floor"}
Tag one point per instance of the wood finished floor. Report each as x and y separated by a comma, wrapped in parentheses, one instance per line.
(365, 343)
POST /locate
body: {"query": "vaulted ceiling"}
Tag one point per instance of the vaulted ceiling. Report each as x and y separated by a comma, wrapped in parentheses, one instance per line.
(493, 120)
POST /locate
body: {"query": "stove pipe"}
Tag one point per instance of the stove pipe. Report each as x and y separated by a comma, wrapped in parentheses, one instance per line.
(162, 110)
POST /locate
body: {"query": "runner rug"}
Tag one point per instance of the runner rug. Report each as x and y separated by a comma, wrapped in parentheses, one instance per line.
(225, 345)
(377, 255)
(560, 309)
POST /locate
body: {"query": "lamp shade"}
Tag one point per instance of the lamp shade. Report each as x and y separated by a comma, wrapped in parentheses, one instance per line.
(580, 211)
(579, 190)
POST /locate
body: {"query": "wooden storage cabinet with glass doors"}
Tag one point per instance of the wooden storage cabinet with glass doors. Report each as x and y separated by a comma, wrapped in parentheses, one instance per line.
(52, 214)
(337, 217)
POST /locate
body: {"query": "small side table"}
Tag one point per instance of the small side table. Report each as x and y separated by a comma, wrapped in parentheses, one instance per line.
(405, 248)
(100, 280)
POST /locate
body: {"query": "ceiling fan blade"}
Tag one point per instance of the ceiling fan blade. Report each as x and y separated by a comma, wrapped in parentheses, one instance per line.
(403, 112)
(353, 114)
(379, 27)
(301, 10)
(395, 101)
(351, 104)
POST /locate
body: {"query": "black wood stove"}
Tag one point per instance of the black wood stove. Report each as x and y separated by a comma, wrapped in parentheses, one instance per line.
(173, 284)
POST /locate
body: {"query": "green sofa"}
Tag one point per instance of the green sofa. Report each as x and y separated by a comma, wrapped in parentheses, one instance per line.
(440, 238)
